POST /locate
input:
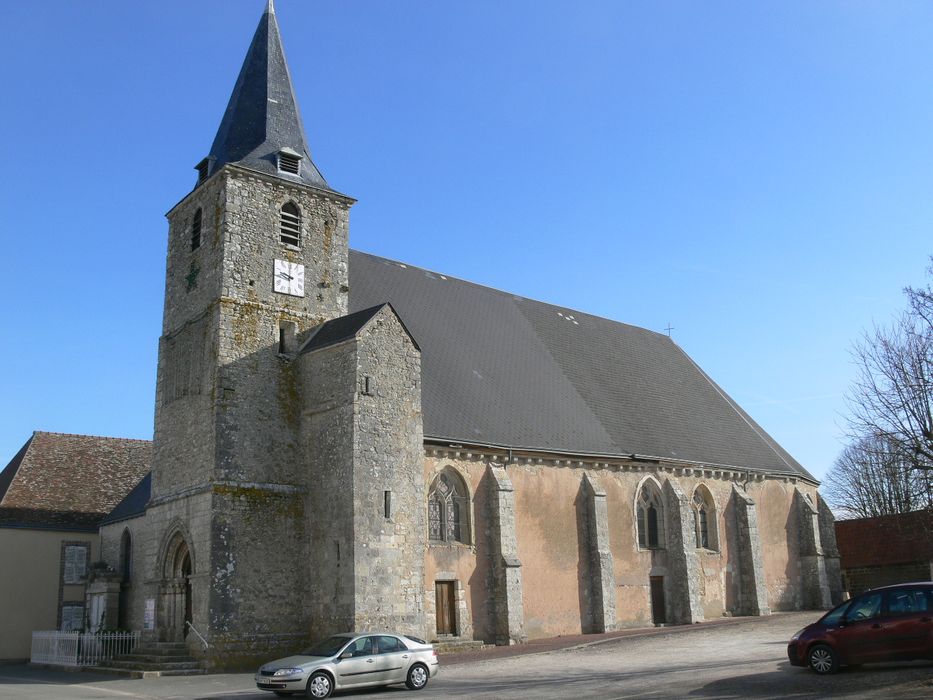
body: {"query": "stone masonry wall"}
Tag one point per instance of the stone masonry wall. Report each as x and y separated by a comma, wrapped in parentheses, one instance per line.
(329, 385)
(367, 520)
(727, 578)
(228, 461)
(389, 475)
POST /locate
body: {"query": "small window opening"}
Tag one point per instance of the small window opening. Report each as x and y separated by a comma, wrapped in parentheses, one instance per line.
(387, 504)
(196, 230)
(290, 224)
(289, 162)
(287, 332)
(126, 556)
(367, 386)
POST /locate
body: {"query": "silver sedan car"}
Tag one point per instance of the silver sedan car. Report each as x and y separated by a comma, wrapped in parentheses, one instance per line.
(351, 661)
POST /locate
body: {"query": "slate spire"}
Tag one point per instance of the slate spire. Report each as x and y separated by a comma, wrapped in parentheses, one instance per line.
(262, 117)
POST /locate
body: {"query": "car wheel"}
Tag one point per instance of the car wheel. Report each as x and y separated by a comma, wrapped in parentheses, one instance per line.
(822, 659)
(417, 677)
(320, 686)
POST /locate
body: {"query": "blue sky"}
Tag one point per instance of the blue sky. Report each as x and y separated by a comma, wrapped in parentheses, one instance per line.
(758, 175)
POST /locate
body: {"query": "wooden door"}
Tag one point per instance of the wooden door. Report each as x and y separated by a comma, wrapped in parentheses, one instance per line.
(658, 613)
(446, 611)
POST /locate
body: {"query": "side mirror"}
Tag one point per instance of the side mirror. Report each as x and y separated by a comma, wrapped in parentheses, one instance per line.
(347, 655)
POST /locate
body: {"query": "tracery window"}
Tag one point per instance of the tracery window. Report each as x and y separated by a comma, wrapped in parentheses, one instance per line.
(704, 513)
(650, 517)
(448, 509)
(290, 224)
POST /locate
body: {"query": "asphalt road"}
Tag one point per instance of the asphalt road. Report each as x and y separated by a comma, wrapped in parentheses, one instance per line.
(743, 659)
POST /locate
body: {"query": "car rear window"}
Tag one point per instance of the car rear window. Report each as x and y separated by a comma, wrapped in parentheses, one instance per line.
(415, 639)
(907, 601)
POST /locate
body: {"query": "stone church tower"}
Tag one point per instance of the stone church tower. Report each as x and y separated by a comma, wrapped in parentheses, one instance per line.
(267, 516)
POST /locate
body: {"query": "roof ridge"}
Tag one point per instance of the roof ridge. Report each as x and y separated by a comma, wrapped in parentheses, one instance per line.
(84, 435)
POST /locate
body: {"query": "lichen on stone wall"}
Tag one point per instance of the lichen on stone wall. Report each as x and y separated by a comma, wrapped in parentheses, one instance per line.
(262, 504)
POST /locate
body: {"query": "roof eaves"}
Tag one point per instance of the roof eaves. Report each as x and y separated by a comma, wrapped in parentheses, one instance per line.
(460, 443)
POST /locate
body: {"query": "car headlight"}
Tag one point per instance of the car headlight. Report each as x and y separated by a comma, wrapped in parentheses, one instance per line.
(287, 672)
(797, 635)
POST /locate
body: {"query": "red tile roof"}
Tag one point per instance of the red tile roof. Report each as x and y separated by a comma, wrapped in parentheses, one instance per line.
(70, 481)
(888, 539)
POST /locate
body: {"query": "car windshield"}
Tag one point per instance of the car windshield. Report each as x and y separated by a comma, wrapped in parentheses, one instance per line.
(835, 615)
(329, 647)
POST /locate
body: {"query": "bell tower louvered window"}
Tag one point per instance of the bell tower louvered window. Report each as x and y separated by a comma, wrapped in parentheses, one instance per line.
(289, 161)
(196, 230)
(290, 224)
(203, 169)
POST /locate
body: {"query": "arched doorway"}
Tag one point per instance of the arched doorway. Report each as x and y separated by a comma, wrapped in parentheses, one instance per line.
(175, 590)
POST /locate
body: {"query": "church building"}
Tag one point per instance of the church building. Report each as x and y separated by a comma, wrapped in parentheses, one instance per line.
(346, 442)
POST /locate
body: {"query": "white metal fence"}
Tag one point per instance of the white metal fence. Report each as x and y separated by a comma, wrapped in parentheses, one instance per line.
(80, 648)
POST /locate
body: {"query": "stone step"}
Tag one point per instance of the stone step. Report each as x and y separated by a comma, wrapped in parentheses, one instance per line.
(158, 647)
(154, 665)
(453, 646)
(130, 673)
(155, 658)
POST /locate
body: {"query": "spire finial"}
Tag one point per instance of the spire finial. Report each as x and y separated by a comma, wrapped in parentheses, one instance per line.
(270, 8)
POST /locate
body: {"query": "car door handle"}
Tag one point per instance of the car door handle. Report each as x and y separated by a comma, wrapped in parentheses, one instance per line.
(404, 656)
(369, 661)
(876, 626)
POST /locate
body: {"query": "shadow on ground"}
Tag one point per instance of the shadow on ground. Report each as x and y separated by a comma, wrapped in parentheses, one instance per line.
(907, 680)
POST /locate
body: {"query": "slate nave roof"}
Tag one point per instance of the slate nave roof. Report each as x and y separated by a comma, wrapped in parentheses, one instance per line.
(502, 370)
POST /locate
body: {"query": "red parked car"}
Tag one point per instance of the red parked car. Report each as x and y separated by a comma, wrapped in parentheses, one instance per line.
(894, 623)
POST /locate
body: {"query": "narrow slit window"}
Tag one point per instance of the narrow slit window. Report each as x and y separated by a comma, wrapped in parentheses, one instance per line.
(287, 332)
(196, 230)
(290, 224)
(387, 504)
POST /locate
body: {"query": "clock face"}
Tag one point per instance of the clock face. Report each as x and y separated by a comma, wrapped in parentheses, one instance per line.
(289, 278)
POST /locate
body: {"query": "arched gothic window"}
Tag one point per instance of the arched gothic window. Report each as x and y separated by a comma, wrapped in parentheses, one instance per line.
(650, 517)
(290, 224)
(448, 509)
(704, 511)
(126, 556)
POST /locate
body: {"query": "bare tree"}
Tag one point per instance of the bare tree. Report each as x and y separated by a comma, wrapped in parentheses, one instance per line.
(874, 477)
(893, 394)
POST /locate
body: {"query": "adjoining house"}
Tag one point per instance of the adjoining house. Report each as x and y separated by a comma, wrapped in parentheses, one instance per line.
(885, 550)
(53, 495)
